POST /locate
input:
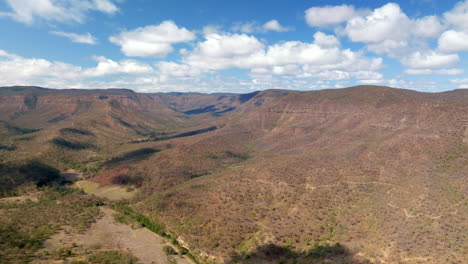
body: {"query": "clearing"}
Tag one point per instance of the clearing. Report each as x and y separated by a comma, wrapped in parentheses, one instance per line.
(107, 234)
(112, 192)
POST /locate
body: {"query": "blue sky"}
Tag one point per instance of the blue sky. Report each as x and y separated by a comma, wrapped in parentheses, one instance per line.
(234, 46)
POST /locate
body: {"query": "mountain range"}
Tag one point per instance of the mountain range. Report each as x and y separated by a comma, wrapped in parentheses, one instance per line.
(264, 176)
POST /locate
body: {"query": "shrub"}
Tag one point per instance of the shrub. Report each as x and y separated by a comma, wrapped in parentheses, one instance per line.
(112, 257)
(64, 253)
(169, 250)
(324, 249)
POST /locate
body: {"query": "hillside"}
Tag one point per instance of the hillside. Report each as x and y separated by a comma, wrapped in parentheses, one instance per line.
(270, 176)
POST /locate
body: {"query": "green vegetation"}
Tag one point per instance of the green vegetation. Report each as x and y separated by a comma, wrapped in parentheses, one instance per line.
(155, 227)
(112, 257)
(64, 253)
(325, 249)
(127, 220)
(169, 250)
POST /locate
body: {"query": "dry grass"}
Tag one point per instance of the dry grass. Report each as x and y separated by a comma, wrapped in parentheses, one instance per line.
(113, 193)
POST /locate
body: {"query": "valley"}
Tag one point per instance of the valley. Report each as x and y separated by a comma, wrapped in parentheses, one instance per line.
(366, 174)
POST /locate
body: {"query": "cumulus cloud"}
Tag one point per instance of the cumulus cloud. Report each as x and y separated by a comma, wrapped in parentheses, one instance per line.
(453, 41)
(77, 38)
(458, 16)
(386, 22)
(156, 40)
(428, 26)
(274, 25)
(387, 30)
(389, 46)
(434, 72)
(221, 51)
(107, 66)
(325, 40)
(328, 15)
(27, 11)
(320, 59)
(15, 69)
(430, 59)
(390, 24)
(169, 68)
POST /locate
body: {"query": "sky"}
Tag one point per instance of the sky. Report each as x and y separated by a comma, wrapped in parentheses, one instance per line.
(234, 45)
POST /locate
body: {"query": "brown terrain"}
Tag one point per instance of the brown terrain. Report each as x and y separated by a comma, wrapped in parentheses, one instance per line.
(106, 233)
(270, 177)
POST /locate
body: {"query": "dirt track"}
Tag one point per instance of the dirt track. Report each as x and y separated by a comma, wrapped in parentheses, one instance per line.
(108, 234)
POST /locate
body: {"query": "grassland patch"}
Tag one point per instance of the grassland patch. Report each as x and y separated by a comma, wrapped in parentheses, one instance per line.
(114, 192)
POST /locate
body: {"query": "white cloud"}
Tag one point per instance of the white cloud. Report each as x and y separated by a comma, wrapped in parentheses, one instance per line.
(325, 40)
(386, 22)
(323, 58)
(370, 81)
(221, 51)
(106, 6)
(343, 75)
(459, 81)
(453, 41)
(246, 27)
(419, 85)
(428, 26)
(211, 29)
(169, 68)
(430, 59)
(77, 38)
(274, 25)
(108, 67)
(27, 11)
(458, 16)
(15, 69)
(254, 27)
(434, 72)
(388, 30)
(328, 15)
(154, 40)
(389, 46)
(462, 83)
